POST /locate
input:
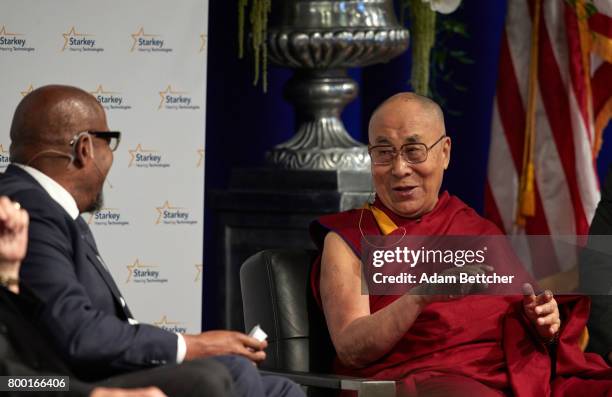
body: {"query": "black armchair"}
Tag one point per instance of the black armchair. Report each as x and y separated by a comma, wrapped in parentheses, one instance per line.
(276, 295)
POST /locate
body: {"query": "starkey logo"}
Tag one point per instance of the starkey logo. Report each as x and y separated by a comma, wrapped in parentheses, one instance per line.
(110, 100)
(172, 326)
(199, 268)
(203, 42)
(200, 161)
(27, 90)
(146, 158)
(4, 157)
(141, 273)
(144, 41)
(80, 42)
(108, 217)
(170, 215)
(12, 41)
(176, 100)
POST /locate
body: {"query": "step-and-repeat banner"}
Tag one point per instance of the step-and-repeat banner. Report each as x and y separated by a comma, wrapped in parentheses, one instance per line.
(145, 62)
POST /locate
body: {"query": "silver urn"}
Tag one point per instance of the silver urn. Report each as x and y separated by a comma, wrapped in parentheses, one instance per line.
(320, 40)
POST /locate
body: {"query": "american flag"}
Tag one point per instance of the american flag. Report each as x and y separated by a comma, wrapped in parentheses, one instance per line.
(554, 82)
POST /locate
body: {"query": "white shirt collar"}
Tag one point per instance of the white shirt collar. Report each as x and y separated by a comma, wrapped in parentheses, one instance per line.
(55, 190)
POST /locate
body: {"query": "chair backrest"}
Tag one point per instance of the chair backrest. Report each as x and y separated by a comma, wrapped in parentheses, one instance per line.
(276, 295)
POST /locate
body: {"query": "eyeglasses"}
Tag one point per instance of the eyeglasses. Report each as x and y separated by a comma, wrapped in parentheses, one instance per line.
(413, 153)
(111, 137)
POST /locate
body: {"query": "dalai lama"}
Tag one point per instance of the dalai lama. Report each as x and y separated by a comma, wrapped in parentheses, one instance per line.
(436, 345)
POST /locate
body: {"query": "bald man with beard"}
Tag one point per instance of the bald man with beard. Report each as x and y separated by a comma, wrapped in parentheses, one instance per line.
(61, 152)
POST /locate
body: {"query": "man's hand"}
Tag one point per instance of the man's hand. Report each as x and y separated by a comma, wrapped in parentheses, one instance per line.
(217, 343)
(543, 312)
(436, 292)
(13, 234)
(114, 392)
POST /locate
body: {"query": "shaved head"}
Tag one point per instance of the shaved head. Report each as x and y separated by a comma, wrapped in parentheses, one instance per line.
(411, 106)
(48, 117)
(52, 132)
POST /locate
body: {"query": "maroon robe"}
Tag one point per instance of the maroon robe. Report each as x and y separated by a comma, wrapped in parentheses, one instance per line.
(484, 338)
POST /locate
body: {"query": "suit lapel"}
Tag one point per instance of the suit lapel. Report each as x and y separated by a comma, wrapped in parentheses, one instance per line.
(96, 259)
(86, 236)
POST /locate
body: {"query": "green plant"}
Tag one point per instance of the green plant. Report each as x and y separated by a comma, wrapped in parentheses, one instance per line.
(258, 18)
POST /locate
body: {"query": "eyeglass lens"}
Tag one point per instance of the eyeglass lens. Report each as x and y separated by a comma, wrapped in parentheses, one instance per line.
(111, 138)
(413, 153)
(113, 142)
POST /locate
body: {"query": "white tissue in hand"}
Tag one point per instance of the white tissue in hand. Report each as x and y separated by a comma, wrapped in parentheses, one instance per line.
(258, 333)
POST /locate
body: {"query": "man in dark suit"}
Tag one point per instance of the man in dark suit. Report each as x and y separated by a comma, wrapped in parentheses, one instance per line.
(24, 350)
(61, 152)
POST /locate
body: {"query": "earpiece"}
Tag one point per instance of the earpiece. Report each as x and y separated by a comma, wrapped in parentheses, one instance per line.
(91, 149)
(76, 141)
(52, 151)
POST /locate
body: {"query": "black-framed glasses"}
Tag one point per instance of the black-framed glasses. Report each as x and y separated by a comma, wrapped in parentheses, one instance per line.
(414, 153)
(111, 137)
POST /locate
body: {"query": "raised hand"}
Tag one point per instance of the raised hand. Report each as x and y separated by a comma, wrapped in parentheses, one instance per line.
(13, 233)
(542, 311)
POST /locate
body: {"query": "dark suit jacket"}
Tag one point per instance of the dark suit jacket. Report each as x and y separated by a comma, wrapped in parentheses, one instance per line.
(24, 350)
(82, 309)
(596, 273)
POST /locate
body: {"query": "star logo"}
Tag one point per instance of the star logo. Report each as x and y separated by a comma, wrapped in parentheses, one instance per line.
(3, 32)
(164, 322)
(4, 157)
(199, 267)
(3, 152)
(138, 149)
(139, 34)
(92, 215)
(72, 33)
(162, 95)
(160, 210)
(200, 157)
(203, 39)
(136, 265)
(100, 91)
(27, 90)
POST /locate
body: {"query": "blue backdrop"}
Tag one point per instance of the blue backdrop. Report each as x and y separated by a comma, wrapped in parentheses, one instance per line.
(242, 122)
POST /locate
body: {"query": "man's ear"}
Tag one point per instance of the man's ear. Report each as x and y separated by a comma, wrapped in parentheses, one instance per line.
(83, 150)
(446, 151)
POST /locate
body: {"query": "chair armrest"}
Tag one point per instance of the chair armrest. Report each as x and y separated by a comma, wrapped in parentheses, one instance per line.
(363, 386)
